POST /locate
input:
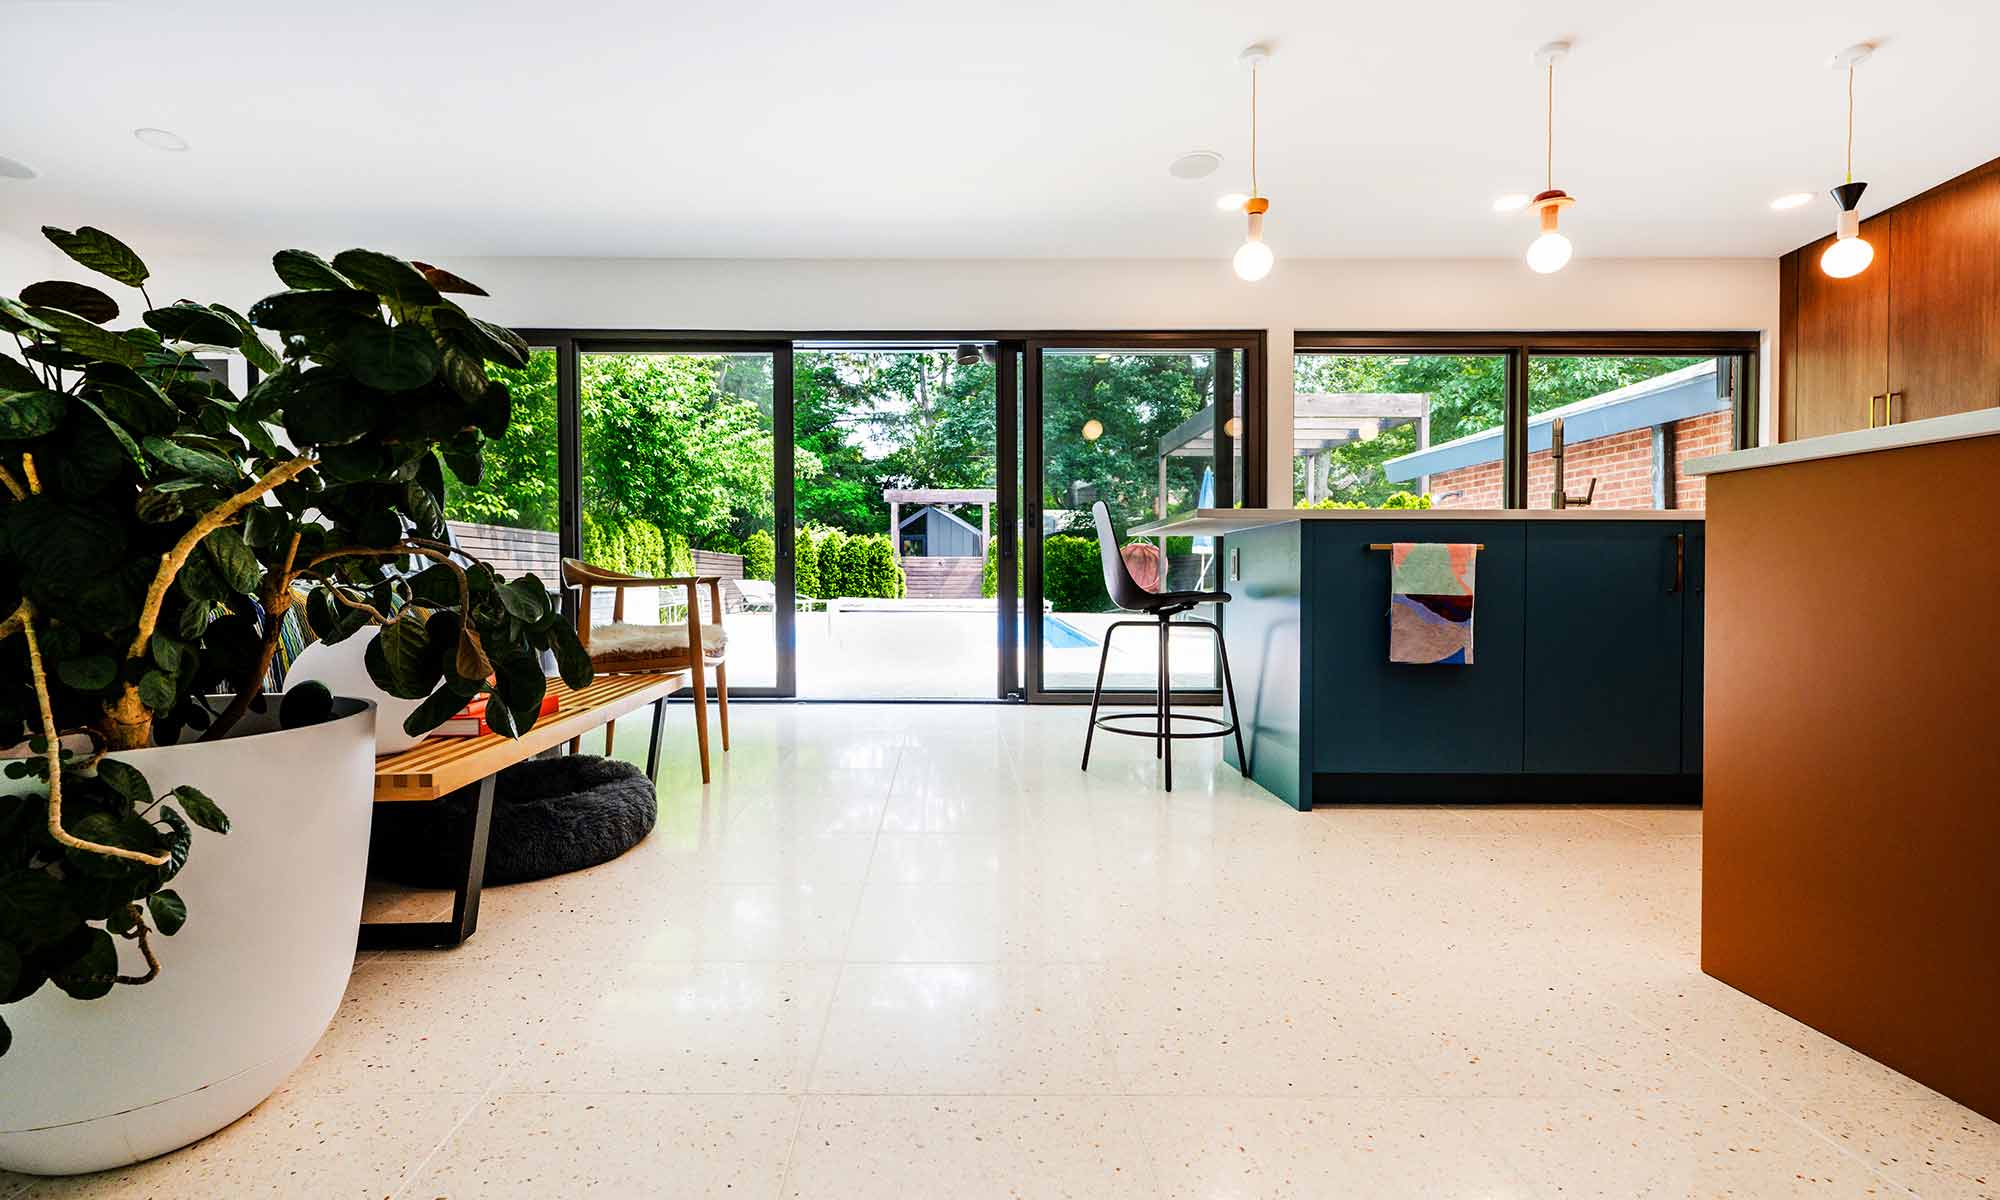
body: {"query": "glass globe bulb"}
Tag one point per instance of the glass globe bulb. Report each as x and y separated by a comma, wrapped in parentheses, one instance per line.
(1253, 261)
(1093, 429)
(1847, 257)
(1549, 253)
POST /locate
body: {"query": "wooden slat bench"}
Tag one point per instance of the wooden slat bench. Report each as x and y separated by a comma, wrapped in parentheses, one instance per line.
(438, 766)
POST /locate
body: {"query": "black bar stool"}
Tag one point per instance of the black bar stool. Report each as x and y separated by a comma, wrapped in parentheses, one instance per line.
(1162, 607)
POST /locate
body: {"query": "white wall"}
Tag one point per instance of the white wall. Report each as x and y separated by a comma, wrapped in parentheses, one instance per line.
(982, 294)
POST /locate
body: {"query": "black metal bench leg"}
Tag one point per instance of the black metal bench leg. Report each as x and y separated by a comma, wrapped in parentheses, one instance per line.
(1097, 695)
(653, 747)
(410, 935)
(1166, 707)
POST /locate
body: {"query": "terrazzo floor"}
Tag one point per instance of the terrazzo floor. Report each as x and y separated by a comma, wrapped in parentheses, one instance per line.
(911, 952)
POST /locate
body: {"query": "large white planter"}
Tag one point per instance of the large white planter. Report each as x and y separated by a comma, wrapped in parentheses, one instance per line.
(343, 668)
(245, 989)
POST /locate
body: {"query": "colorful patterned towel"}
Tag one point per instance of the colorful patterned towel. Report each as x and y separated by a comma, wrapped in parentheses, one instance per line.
(1430, 602)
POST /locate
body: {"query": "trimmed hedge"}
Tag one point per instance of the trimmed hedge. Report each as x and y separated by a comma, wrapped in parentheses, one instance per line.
(760, 556)
(833, 562)
(630, 547)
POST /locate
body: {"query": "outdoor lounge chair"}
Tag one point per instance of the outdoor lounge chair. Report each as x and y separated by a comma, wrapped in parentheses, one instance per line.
(635, 649)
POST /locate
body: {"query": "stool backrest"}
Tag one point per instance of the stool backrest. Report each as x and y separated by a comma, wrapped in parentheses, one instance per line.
(1125, 590)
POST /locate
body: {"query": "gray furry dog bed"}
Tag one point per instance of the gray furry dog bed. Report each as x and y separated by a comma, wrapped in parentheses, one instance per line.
(550, 816)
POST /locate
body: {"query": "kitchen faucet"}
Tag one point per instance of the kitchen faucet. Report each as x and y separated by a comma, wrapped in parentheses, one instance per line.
(1560, 497)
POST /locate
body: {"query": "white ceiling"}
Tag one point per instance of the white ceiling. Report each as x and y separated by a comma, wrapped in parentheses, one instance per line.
(1033, 128)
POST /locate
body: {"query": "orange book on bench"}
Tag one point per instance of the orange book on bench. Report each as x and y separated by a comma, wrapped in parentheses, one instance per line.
(471, 720)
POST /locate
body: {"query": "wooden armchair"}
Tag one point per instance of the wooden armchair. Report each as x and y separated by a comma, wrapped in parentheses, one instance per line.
(632, 649)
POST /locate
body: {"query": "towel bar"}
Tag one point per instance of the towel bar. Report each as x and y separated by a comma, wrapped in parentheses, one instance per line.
(1391, 546)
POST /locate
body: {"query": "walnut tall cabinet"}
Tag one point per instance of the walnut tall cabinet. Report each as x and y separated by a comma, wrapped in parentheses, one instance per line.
(1915, 335)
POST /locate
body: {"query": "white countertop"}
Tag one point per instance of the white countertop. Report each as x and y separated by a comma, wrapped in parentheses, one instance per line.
(1984, 422)
(1207, 522)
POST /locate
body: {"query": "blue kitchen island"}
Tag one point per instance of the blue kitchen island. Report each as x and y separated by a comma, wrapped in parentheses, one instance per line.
(1587, 672)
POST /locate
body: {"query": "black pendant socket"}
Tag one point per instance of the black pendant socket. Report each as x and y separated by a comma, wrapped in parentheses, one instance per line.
(1847, 195)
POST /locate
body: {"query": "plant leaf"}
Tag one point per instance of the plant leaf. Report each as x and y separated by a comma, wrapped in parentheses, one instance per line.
(387, 276)
(79, 298)
(525, 599)
(520, 685)
(328, 408)
(394, 358)
(445, 281)
(188, 322)
(79, 336)
(312, 309)
(34, 909)
(234, 558)
(259, 355)
(93, 972)
(157, 692)
(400, 660)
(195, 464)
(132, 398)
(572, 660)
(101, 252)
(91, 673)
(306, 270)
(15, 318)
(169, 911)
(126, 780)
(443, 704)
(200, 809)
(30, 414)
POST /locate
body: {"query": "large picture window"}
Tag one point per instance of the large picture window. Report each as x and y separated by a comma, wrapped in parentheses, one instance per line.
(1472, 420)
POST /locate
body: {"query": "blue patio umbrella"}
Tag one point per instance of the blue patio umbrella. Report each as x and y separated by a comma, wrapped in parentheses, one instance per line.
(1205, 498)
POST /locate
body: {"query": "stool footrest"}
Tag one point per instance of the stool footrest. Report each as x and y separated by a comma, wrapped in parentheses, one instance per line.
(1220, 728)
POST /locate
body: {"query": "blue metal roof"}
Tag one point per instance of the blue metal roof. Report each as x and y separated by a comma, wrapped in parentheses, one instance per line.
(1677, 395)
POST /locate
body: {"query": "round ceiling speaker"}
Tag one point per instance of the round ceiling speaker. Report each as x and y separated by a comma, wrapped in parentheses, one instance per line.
(1195, 164)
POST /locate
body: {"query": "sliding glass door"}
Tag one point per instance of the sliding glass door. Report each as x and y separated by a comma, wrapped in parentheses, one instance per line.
(683, 471)
(1153, 427)
(900, 519)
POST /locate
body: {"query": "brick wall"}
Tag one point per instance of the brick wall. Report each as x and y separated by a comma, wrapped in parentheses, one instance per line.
(1622, 464)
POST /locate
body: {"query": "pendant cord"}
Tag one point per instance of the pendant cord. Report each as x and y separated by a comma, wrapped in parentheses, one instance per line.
(1850, 124)
(1253, 129)
(1549, 129)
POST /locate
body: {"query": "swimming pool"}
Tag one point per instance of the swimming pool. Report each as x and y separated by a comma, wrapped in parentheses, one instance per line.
(1062, 635)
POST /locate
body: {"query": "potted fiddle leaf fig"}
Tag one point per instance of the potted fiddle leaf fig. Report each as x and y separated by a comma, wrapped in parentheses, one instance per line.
(155, 529)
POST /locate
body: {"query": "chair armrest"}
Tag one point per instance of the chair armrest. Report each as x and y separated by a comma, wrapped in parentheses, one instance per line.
(663, 581)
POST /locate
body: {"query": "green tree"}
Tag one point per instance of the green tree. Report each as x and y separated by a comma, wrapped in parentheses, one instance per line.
(518, 484)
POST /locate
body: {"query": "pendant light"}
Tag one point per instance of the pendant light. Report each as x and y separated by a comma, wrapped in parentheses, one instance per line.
(1550, 252)
(1850, 253)
(1253, 258)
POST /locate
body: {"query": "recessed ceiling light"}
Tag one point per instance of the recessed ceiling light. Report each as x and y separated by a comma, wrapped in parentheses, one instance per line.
(1195, 164)
(1231, 201)
(1511, 202)
(1794, 200)
(14, 168)
(161, 139)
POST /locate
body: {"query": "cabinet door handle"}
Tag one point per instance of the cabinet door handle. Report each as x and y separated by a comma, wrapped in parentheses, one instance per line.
(1889, 407)
(1871, 407)
(1680, 563)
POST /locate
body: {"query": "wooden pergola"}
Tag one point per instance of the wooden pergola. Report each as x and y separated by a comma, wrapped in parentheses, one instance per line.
(1321, 421)
(897, 497)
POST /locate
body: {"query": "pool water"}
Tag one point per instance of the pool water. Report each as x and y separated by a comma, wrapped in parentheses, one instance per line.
(1061, 635)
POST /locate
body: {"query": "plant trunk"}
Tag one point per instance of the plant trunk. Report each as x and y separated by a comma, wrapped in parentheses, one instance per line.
(128, 725)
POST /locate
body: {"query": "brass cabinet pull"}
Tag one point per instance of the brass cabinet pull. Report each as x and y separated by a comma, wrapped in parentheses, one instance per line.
(1884, 398)
(1888, 407)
